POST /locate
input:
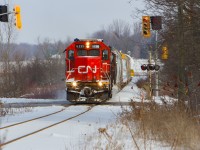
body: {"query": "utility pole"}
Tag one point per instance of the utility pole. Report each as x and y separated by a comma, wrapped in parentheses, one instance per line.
(181, 79)
(150, 75)
(156, 23)
(156, 62)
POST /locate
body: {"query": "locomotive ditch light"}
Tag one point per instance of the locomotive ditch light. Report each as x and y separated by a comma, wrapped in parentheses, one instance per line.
(100, 83)
(74, 83)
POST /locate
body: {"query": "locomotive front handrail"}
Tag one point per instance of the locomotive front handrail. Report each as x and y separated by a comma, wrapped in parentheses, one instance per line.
(106, 64)
(69, 73)
(69, 62)
(106, 74)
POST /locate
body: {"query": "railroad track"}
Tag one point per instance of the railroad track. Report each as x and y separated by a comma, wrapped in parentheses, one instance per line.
(43, 128)
(36, 118)
(64, 103)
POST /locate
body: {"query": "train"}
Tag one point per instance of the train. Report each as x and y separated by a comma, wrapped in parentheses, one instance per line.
(92, 69)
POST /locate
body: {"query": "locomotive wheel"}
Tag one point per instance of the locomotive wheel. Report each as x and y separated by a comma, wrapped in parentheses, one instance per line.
(72, 97)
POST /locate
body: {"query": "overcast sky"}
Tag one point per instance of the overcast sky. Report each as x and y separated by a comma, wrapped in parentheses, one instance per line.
(59, 19)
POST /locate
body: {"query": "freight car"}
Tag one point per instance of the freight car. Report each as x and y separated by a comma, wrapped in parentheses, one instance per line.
(92, 68)
(126, 65)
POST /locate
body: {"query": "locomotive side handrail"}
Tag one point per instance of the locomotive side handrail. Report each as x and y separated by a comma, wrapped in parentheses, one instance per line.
(106, 72)
(106, 66)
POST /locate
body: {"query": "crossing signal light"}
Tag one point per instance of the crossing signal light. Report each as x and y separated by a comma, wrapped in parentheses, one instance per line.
(3, 13)
(146, 26)
(18, 22)
(157, 67)
(144, 67)
(165, 53)
(150, 67)
(156, 22)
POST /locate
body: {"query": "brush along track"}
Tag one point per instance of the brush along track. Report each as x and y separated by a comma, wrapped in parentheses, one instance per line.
(47, 127)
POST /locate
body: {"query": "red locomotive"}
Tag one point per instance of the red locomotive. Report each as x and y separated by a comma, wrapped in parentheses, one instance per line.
(91, 70)
(88, 71)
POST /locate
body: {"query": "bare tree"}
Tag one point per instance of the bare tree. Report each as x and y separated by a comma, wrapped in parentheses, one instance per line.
(7, 36)
(124, 37)
(181, 33)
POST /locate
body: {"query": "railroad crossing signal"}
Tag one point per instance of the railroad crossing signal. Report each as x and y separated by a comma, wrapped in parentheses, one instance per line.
(3, 13)
(165, 52)
(146, 26)
(144, 67)
(18, 22)
(150, 67)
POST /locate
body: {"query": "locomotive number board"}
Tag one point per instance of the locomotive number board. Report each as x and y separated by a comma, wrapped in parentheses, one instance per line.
(81, 46)
(95, 46)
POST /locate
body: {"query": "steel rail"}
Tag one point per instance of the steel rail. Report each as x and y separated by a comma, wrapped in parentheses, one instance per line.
(47, 127)
(19, 123)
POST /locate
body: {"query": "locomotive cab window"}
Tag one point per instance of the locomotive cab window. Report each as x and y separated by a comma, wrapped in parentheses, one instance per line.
(71, 54)
(82, 53)
(105, 55)
(93, 53)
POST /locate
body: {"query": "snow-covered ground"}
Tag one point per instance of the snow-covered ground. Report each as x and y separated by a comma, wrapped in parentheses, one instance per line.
(96, 129)
(79, 133)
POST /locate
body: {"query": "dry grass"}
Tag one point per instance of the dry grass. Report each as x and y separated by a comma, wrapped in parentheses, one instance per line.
(14, 111)
(170, 125)
(140, 83)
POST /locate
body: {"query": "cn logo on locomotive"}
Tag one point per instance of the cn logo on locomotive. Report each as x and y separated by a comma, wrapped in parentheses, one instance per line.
(85, 69)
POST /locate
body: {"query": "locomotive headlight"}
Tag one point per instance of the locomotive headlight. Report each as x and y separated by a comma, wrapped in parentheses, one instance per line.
(87, 44)
(74, 83)
(100, 83)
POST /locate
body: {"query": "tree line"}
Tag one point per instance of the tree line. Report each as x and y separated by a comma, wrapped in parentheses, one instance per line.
(38, 74)
(181, 34)
(29, 68)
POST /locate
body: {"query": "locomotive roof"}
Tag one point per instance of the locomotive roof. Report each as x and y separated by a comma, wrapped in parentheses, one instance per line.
(92, 40)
